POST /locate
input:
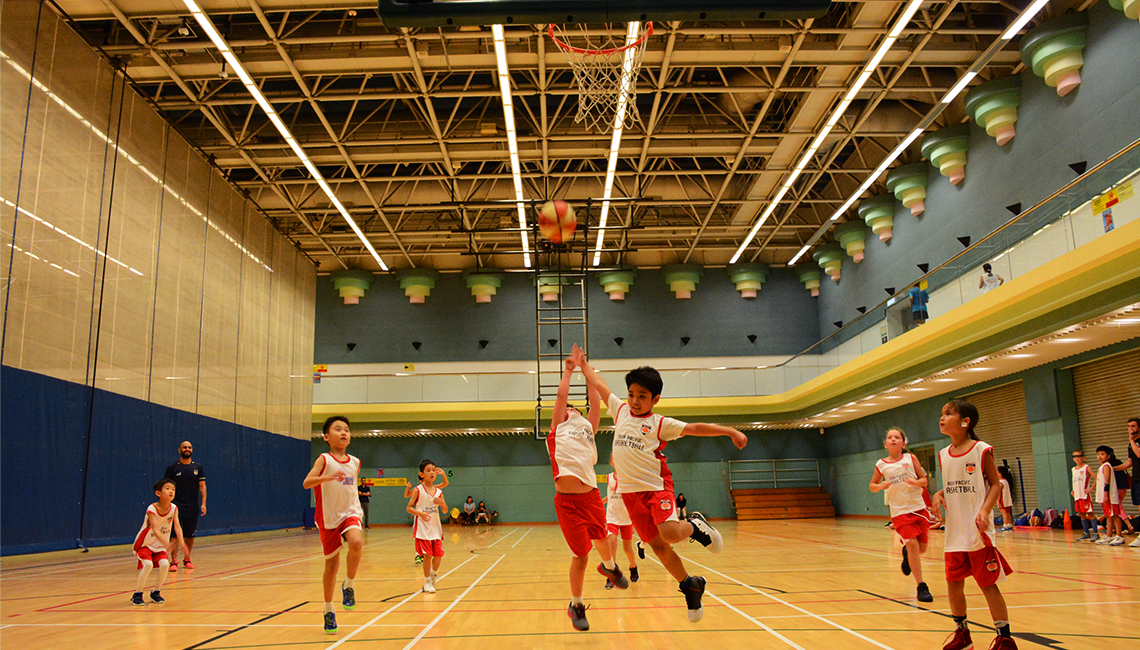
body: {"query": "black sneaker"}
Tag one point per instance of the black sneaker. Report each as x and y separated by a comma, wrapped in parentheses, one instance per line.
(640, 551)
(694, 587)
(905, 563)
(137, 599)
(633, 576)
(348, 597)
(330, 623)
(577, 614)
(614, 576)
(156, 597)
(704, 533)
(924, 593)
(609, 584)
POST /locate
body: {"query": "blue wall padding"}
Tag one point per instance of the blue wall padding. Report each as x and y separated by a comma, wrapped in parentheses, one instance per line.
(253, 477)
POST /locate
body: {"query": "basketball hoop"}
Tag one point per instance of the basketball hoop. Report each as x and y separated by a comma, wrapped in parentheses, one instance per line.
(605, 70)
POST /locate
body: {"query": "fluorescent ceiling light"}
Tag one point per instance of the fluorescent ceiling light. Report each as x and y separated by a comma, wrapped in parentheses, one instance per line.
(512, 135)
(252, 88)
(958, 87)
(1024, 18)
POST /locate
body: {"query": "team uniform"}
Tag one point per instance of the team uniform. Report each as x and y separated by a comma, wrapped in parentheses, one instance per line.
(1005, 499)
(151, 543)
(617, 517)
(908, 508)
(644, 480)
(338, 504)
(968, 552)
(428, 533)
(1082, 503)
(1107, 493)
(574, 453)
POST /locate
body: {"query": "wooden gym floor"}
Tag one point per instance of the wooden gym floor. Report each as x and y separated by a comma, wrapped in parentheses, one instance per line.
(831, 584)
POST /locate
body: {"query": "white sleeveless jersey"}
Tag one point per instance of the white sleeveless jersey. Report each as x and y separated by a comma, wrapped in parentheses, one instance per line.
(902, 497)
(1113, 495)
(1080, 480)
(1005, 500)
(156, 539)
(639, 444)
(338, 500)
(965, 490)
(425, 502)
(615, 507)
(990, 282)
(572, 449)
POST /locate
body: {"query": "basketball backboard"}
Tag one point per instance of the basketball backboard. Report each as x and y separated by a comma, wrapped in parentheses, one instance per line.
(441, 13)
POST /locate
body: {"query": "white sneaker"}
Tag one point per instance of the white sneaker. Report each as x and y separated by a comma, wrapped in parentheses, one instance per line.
(1103, 539)
(1116, 541)
(429, 586)
(1135, 542)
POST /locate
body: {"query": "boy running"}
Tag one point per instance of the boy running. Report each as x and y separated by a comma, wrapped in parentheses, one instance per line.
(644, 480)
(425, 502)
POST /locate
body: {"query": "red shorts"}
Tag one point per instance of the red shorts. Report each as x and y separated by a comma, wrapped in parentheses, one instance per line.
(1083, 506)
(432, 547)
(156, 557)
(986, 565)
(626, 532)
(648, 509)
(1111, 509)
(331, 539)
(913, 525)
(582, 518)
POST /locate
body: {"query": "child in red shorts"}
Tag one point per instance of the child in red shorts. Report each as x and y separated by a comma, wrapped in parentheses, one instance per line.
(1084, 482)
(971, 485)
(153, 542)
(904, 480)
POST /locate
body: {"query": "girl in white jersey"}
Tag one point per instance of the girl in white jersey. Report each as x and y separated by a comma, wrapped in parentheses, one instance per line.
(971, 485)
(577, 502)
(902, 477)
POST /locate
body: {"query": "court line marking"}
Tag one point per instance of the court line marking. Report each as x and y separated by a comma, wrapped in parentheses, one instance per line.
(513, 531)
(787, 604)
(766, 628)
(830, 546)
(393, 607)
(304, 559)
(455, 602)
(521, 538)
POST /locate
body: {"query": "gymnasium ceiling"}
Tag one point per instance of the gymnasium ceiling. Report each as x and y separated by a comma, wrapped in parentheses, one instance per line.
(407, 125)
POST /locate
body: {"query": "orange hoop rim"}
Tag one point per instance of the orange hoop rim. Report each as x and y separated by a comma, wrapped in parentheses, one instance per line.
(566, 47)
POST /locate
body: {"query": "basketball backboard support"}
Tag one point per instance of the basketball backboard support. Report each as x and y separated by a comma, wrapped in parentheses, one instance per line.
(442, 13)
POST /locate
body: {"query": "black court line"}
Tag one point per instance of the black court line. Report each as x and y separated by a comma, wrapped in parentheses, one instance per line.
(924, 609)
(248, 625)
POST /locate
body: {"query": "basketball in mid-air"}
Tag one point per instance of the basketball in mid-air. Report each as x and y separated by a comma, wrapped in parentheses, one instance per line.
(556, 221)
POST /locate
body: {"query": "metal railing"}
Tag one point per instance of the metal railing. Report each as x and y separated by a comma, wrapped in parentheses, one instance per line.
(775, 473)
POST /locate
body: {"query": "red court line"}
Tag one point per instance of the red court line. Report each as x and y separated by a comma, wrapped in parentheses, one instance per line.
(1089, 582)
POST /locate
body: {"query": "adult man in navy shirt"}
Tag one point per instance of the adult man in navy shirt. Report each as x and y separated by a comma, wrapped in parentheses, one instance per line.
(189, 481)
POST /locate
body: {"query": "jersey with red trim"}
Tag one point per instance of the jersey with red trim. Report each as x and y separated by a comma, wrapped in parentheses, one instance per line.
(425, 502)
(156, 539)
(639, 443)
(964, 488)
(1005, 499)
(1106, 491)
(615, 506)
(338, 500)
(572, 449)
(1080, 480)
(902, 497)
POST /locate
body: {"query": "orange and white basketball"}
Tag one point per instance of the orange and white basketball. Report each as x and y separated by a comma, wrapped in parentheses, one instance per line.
(556, 221)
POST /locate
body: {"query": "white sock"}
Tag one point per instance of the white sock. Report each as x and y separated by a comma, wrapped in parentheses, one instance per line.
(163, 571)
(328, 607)
(434, 574)
(144, 573)
(348, 583)
(609, 564)
(577, 600)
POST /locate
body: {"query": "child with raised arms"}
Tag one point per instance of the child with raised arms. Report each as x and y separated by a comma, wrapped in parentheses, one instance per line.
(971, 485)
(644, 480)
(339, 516)
(902, 477)
(427, 529)
(577, 502)
(153, 544)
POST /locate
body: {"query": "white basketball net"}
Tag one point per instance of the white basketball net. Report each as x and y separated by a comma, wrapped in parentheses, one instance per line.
(605, 69)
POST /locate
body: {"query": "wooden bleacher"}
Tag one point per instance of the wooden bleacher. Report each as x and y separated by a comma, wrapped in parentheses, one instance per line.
(782, 503)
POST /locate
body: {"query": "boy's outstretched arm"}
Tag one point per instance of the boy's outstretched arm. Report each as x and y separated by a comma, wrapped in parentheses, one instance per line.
(559, 413)
(705, 429)
(438, 474)
(595, 416)
(592, 378)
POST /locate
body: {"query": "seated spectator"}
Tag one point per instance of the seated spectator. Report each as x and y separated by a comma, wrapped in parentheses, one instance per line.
(482, 515)
(467, 516)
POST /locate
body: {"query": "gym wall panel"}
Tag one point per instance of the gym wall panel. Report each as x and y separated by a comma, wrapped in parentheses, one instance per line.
(1107, 394)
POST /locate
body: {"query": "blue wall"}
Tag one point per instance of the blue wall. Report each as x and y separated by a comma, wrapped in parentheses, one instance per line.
(80, 463)
(450, 324)
(1090, 124)
(512, 473)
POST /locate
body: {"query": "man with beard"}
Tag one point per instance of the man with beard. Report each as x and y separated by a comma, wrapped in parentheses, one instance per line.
(189, 480)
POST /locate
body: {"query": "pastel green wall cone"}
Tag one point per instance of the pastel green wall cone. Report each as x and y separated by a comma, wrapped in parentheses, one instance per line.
(879, 213)
(351, 284)
(748, 277)
(483, 285)
(810, 275)
(993, 106)
(946, 149)
(682, 279)
(616, 283)
(1131, 8)
(417, 283)
(830, 257)
(852, 237)
(1054, 50)
(908, 183)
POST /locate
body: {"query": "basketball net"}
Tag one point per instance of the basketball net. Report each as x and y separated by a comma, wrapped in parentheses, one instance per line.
(605, 69)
